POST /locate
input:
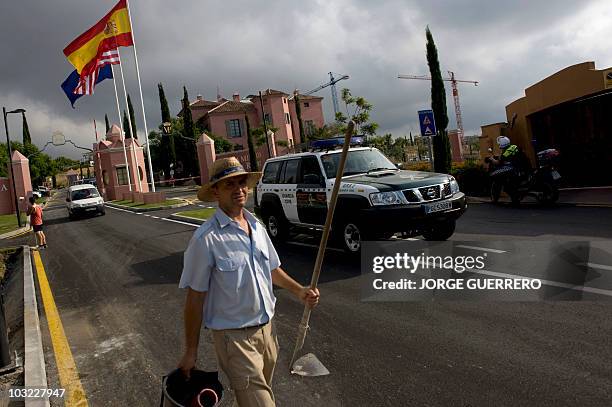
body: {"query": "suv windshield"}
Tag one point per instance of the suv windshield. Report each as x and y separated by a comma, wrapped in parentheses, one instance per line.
(357, 162)
(84, 194)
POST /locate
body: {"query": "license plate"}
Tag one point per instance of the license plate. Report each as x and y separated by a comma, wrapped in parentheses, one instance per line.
(438, 206)
(556, 175)
(90, 209)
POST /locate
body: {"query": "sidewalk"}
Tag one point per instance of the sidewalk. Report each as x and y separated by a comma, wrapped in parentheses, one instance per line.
(591, 196)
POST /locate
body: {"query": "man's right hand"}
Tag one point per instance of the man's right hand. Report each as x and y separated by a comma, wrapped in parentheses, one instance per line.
(187, 363)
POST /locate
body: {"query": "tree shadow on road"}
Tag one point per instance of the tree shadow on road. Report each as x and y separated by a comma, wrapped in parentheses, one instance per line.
(163, 270)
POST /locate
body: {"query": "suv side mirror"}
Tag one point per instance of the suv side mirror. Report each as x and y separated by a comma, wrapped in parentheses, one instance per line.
(399, 166)
(67, 199)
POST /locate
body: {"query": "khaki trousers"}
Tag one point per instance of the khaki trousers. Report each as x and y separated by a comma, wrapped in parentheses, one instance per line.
(248, 356)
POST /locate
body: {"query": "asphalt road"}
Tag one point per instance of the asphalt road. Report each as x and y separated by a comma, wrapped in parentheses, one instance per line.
(115, 280)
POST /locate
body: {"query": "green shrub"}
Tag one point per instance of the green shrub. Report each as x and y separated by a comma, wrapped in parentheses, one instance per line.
(472, 177)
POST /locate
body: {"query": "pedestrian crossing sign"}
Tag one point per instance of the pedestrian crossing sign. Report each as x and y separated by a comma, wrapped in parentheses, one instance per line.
(427, 123)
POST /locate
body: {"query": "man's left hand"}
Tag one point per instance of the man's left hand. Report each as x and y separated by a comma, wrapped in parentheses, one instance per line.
(309, 296)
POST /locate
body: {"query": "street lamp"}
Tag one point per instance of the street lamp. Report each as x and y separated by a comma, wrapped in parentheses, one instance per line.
(10, 154)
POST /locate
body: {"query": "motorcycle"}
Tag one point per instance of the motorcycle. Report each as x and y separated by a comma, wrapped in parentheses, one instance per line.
(541, 183)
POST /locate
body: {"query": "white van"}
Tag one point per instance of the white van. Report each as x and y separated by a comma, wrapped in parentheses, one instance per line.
(84, 199)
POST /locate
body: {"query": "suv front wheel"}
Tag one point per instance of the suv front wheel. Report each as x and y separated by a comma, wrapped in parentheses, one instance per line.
(440, 230)
(276, 225)
(350, 234)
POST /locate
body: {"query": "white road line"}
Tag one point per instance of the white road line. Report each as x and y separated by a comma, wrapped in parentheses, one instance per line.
(484, 249)
(315, 246)
(182, 223)
(154, 217)
(147, 215)
(118, 209)
(596, 266)
(600, 291)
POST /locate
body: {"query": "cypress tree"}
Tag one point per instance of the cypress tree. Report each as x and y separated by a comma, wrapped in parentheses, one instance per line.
(441, 144)
(168, 152)
(132, 117)
(189, 161)
(251, 146)
(107, 123)
(126, 126)
(27, 139)
(298, 113)
(165, 110)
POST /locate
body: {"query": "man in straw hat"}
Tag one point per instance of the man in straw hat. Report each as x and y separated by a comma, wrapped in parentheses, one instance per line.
(229, 268)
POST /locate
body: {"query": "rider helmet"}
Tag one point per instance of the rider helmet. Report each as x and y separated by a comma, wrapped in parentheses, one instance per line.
(503, 142)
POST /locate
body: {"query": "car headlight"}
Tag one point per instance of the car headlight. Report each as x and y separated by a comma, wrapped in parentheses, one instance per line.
(454, 185)
(385, 198)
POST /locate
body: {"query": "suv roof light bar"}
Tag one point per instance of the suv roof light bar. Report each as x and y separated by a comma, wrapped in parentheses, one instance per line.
(332, 143)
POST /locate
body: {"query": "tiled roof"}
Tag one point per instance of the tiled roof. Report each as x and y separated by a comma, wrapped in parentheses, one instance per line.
(231, 106)
(204, 103)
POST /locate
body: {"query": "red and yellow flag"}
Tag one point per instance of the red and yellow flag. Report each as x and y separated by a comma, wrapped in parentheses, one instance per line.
(112, 31)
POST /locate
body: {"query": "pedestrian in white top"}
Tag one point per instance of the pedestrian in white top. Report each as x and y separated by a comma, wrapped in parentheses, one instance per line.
(229, 268)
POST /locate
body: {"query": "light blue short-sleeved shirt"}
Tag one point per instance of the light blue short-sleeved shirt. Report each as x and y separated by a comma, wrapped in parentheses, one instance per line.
(234, 269)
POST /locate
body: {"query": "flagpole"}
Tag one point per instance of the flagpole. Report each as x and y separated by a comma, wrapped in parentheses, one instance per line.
(102, 189)
(141, 99)
(136, 174)
(127, 167)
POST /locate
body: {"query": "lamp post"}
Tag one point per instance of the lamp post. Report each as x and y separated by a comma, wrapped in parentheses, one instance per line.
(10, 153)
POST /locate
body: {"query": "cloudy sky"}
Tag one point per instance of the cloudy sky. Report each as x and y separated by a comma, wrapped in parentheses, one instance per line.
(245, 46)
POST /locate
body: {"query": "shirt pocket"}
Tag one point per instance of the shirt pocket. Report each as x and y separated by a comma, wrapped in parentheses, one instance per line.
(229, 264)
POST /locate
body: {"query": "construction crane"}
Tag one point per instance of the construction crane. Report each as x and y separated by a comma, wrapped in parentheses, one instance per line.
(332, 82)
(453, 82)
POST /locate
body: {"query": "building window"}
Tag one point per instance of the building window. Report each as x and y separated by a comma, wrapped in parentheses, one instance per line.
(310, 128)
(268, 118)
(285, 100)
(306, 104)
(122, 178)
(287, 119)
(233, 128)
(140, 173)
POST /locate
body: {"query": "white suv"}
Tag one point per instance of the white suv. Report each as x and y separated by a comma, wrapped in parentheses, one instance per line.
(376, 199)
(84, 199)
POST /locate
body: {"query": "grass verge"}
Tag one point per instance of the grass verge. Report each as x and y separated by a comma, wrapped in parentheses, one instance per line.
(142, 205)
(8, 223)
(198, 213)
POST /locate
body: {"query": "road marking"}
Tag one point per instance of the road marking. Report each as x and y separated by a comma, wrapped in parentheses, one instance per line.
(182, 223)
(484, 249)
(119, 209)
(154, 217)
(596, 266)
(67, 370)
(592, 290)
(315, 246)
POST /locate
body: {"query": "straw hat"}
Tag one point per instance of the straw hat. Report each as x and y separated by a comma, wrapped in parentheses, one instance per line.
(222, 169)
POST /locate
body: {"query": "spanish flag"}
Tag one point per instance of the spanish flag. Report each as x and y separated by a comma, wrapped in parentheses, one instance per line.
(111, 32)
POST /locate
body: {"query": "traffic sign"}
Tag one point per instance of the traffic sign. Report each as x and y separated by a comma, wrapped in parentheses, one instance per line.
(427, 122)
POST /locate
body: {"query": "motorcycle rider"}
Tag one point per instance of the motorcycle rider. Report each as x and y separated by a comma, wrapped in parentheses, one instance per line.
(513, 155)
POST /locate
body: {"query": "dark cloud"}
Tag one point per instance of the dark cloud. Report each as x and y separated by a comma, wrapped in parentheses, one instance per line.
(245, 46)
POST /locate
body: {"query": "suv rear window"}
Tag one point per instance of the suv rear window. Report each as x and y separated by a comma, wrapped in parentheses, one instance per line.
(271, 172)
(290, 172)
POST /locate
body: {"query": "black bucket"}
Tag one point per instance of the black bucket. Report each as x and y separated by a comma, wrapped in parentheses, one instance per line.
(202, 389)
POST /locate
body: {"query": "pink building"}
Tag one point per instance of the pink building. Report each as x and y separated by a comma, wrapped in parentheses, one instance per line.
(227, 118)
(456, 147)
(111, 171)
(23, 185)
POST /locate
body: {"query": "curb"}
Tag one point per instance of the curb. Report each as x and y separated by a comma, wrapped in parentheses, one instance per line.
(34, 366)
(136, 210)
(18, 232)
(187, 219)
